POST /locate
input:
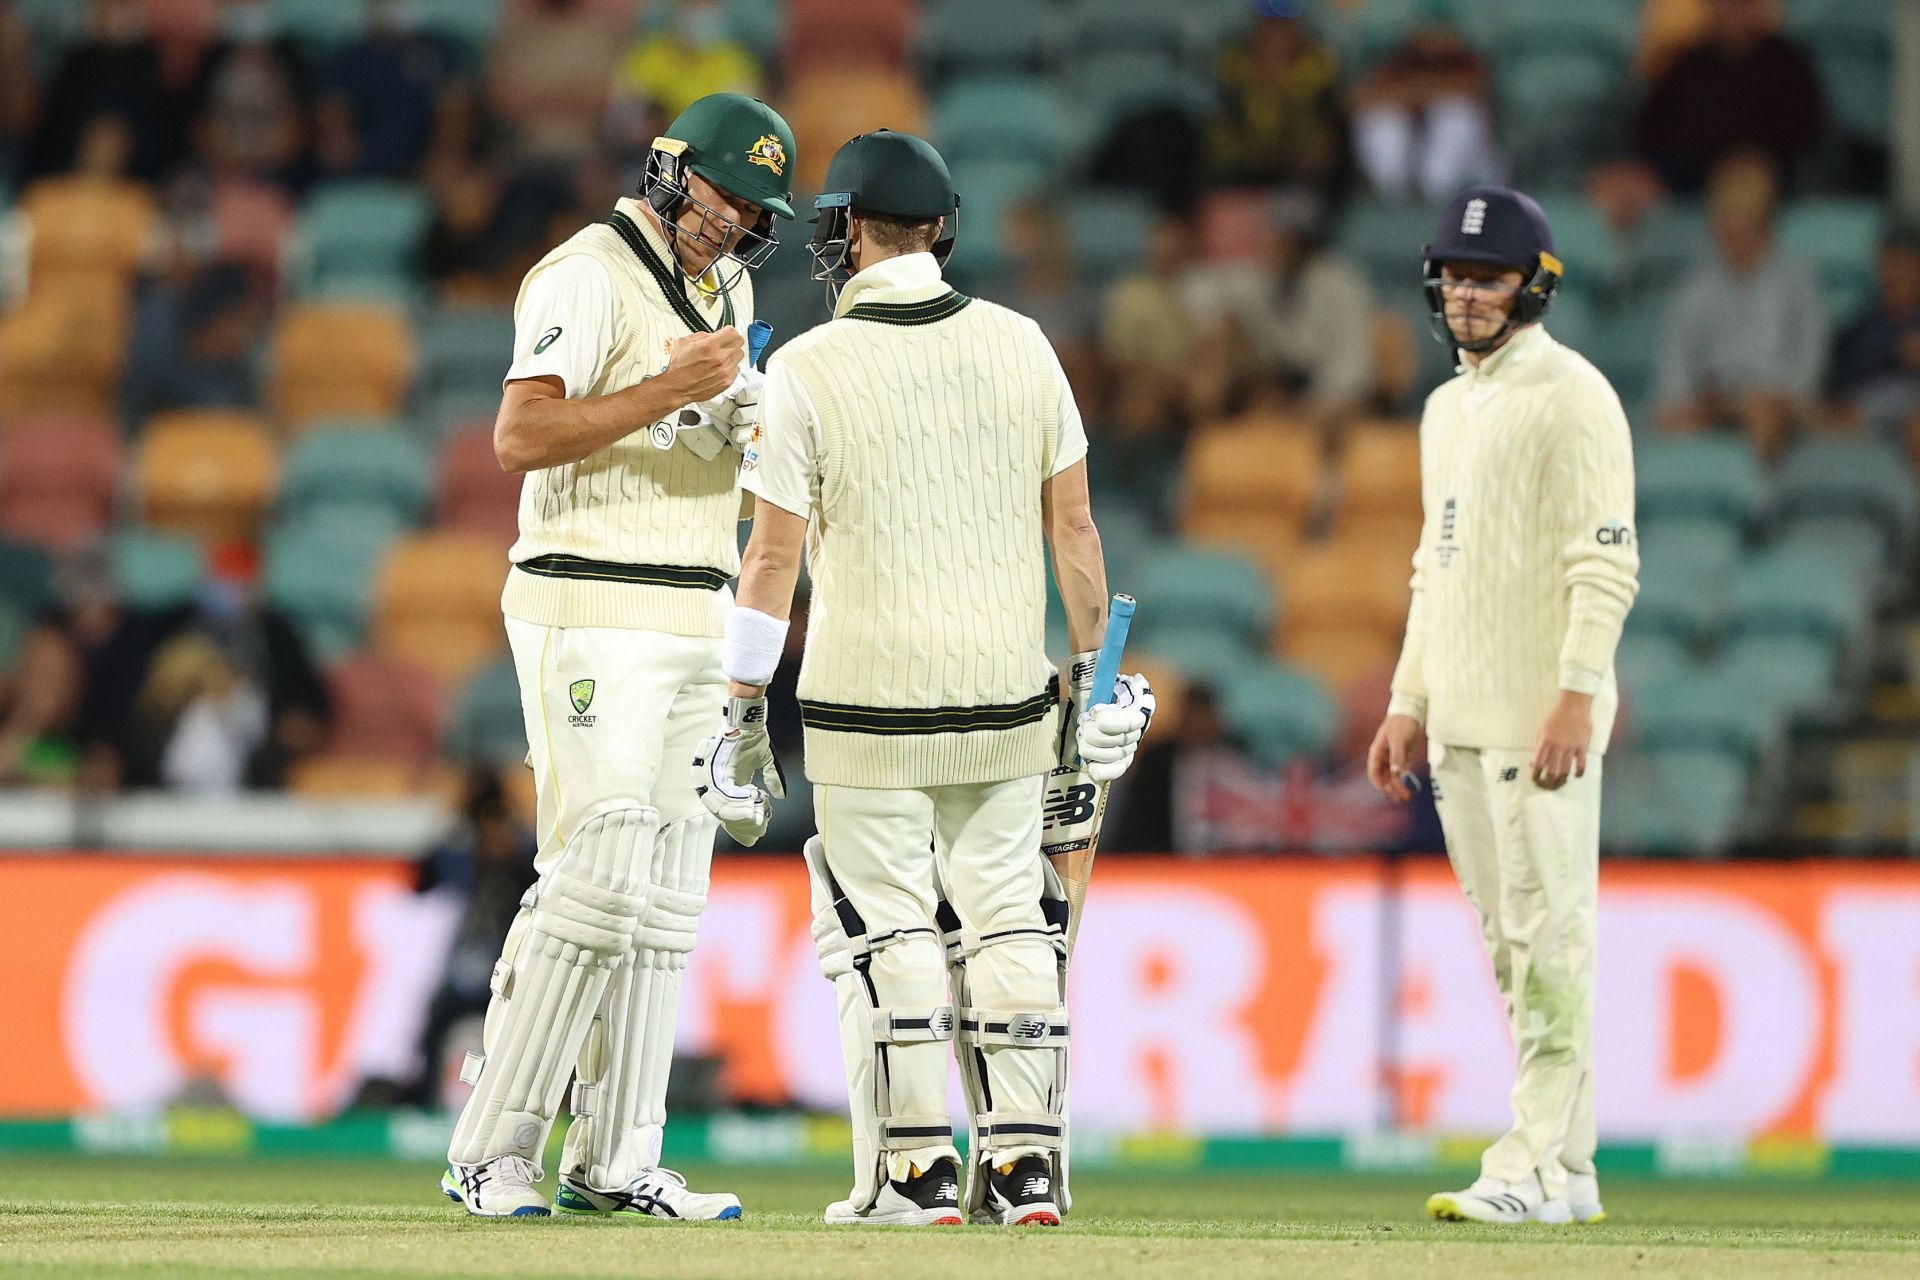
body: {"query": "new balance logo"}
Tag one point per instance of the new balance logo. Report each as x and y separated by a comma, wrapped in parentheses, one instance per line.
(1474, 220)
(1034, 1187)
(1508, 775)
(1072, 805)
(1028, 1026)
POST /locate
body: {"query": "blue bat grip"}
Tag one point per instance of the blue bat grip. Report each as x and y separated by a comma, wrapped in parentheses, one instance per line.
(758, 334)
(1106, 668)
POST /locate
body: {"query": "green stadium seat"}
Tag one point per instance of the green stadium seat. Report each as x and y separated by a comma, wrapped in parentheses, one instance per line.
(988, 190)
(1701, 544)
(1669, 243)
(1280, 713)
(26, 577)
(1647, 657)
(1116, 84)
(13, 633)
(754, 23)
(1003, 119)
(323, 22)
(1187, 586)
(1109, 231)
(1682, 802)
(155, 570)
(1608, 28)
(1839, 236)
(322, 578)
(1621, 345)
(1386, 240)
(1203, 655)
(1582, 241)
(363, 234)
(1795, 673)
(357, 468)
(1798, 590)
(486, 724)
(1864, 479)
(1705, 711)
(1678, 598)
(1360, 34)
(473, 23)
(1853, 540)
(1549, 102)
(448, 409)
(466, 349)
(1704, 475)
(1151, 26)
(995, 36)
(1859, 89)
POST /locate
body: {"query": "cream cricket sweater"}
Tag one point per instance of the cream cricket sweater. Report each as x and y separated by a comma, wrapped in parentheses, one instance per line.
(937, 419)
(633, 536)
(1527, 561)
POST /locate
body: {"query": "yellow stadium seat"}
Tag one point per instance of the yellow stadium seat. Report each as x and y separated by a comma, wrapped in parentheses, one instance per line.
(62, 349)
(830, 105)
(207, 473)
(1342, 656)
(1250, 484)
(1346, 584)
(92, 224)
(332, 777)
(438, 603)
(1380, 470)
(333, 360)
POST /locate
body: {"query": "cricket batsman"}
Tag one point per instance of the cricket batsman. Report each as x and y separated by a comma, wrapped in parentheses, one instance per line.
(628, 395)
(1522, 580)
(932, 441)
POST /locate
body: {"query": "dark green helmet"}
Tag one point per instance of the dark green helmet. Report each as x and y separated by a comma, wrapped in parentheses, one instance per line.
(884, 172)
(740, 145)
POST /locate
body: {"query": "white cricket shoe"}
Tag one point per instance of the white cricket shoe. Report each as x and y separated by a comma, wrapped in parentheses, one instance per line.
(655, 1193)
(1583, 1199)
(498, 1188)
(1506, 1203)
(930, 1199)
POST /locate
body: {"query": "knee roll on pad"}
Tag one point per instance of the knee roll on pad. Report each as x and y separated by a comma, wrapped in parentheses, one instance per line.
(575, 930)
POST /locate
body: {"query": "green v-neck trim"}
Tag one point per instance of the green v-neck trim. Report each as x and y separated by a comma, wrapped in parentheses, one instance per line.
(933, 309)
(668, 279)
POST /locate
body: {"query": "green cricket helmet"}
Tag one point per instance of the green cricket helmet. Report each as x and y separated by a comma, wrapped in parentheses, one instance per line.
(894, 174)
(740, 145)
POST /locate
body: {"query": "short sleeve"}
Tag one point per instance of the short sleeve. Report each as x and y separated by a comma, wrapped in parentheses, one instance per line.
(564, 325)
(1070, 444)
(782, 462)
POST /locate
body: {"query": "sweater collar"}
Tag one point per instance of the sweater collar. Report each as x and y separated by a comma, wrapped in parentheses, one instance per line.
(1516, 351)
(703, 290)
(911, 277)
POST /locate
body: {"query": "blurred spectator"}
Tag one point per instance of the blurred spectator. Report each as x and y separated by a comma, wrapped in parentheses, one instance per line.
(207, 718)
(1742, 85)
(488, 865)
(114, 71)
(1422, 127)
(460, 256)
(390, 97)
(16, 89)
(1147, 334)
(1040, 282)
(1148, 816)
(549, 82)
(1279, 117)
(36, 708)
(1745, 336)
(689, 59)
(1876, 357)
(1295, 333)
(253, 108)
(193, 342)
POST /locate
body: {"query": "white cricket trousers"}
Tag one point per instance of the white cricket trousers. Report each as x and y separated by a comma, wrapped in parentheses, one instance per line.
(1529, 862)
(652, 698)
(885, 848)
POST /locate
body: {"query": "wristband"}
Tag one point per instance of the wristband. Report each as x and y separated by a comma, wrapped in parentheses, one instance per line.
(754, 641)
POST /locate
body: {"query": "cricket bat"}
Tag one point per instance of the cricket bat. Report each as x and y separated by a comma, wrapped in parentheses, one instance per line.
(1076, 805)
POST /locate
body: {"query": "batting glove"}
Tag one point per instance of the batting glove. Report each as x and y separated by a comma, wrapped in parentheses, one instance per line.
(1108, 735)
(724, 766)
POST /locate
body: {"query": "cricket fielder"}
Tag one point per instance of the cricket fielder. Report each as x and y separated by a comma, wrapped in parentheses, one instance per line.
(932, 441)
(628, 387)
(1523, 577)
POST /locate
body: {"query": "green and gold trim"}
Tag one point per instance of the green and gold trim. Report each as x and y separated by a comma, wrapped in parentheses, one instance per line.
(667, 278)
(650, 575)
(903, 313)
(842, 718)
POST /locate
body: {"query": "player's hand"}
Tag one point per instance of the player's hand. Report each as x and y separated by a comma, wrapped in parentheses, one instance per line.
(724, 766)
(701, 366)
(1564, 736)
(1109, 734)
(1387, 758)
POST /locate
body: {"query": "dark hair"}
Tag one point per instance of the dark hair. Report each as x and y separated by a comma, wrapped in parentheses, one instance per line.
(900, 235)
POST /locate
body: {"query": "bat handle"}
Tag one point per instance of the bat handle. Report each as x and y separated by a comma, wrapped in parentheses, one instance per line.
(758, 334)
(1106, 669)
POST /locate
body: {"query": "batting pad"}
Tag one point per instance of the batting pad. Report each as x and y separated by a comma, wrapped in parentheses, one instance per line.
(620, 1097)
(575, 930)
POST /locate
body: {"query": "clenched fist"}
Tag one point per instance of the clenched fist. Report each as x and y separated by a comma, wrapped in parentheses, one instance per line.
(702, 365)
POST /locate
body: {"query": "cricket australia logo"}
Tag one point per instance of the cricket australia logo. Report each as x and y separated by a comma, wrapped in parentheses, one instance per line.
(767, 152)
(1474, 220)
(580, 693)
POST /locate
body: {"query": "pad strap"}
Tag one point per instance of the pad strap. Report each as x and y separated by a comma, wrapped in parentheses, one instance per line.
(911, 1133)
(1019, 1030)
(1001, 1129)
(913, 1026)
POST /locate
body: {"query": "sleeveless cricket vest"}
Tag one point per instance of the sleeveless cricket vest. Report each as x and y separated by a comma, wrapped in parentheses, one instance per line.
(633, 536)
(926, 660)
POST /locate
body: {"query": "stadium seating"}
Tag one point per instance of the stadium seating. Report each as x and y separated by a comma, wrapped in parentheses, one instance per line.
(209, 473)
(87, 224)
(473, 492)
(1792, 672)
(1677, 598)
(486, 723)
(62, 349)
(1006, 37)
(334, 359)
(1250, 484)
(830, 105)
(1280, 713)
(1211, 655)
(361, 229)
(385, 473)
(463, 348)
(1109, 231)
(383, 710)
(58, 478)
(322, 576)
(822, 34)
(1705, 711)
(1705, 475)
(1838, 236)
(437, 603)
(1797, 590)
(999, 119)
(155, 570)
(26, 577)
(1379, 471)
(1200, 587)
(1849, 480)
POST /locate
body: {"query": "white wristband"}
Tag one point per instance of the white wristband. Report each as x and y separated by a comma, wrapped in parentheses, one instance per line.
(752, 648)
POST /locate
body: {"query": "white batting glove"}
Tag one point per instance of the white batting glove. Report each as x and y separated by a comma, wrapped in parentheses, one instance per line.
(724, 766)
(1108, 735)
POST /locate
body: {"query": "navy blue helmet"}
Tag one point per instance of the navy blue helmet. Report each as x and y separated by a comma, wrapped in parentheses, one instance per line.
(1503, 227)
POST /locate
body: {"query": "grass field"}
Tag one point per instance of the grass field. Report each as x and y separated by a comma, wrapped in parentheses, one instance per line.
(70, 1216)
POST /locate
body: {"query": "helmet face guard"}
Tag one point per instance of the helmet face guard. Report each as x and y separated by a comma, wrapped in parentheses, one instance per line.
(663, 185)
(1530, 300)
(832, 245)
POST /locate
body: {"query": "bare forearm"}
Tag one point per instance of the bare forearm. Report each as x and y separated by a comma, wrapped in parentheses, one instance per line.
(535, 431)
(1080, 571)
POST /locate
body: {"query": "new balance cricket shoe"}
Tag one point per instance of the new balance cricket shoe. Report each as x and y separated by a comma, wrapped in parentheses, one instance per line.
(1021, 1195)
(656, 1193)
(1583, 1199)
(499, 1188)
(927, 1199)
(1493, 1200)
